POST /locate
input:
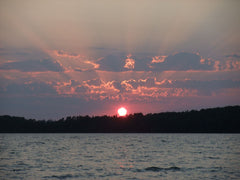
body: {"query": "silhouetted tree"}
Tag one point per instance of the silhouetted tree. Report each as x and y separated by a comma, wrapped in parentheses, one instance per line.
(214, 120)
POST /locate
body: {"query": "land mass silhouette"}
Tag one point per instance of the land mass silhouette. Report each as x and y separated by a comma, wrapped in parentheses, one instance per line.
(212, 120)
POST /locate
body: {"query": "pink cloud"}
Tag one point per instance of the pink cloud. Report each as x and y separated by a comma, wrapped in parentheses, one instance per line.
(129, 85)
(217, 65)
(129, 62)
(74, 62)
(232, 65)
(202, 61)
(158, 59)
(95, 65)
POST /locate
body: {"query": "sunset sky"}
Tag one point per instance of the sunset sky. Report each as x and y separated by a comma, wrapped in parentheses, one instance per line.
(90, 57)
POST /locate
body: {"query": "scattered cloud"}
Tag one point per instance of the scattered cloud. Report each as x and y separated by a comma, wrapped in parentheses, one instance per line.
(145, 89)
(231, 64)
(129, 62)
(158, 59)
(119, 78)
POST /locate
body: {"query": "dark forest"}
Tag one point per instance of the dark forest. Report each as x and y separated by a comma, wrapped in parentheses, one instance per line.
(214, 120)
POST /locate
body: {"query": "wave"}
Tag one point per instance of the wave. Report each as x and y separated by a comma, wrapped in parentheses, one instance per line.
(157, 169)
(65, 176)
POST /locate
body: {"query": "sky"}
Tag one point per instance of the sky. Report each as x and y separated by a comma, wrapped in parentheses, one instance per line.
(79, 57)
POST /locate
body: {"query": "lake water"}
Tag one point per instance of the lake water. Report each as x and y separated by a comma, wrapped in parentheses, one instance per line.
(119, 156)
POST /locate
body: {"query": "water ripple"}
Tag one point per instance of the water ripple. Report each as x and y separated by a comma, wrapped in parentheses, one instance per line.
(119, 156)
(157, 169)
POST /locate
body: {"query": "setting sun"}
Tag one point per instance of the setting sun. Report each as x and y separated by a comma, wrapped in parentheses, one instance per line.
(122, 111)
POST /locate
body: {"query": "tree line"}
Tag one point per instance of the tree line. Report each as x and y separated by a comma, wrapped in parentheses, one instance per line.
(213, 120)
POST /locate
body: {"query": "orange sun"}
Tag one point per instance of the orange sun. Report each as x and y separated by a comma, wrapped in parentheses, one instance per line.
(122, 111)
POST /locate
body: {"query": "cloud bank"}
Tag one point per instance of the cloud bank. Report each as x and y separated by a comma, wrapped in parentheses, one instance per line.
(119, 78)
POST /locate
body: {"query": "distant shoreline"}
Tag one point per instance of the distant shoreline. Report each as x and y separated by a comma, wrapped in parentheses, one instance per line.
(212, 120)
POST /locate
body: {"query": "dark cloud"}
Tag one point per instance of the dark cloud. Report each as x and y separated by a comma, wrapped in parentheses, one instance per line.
(178, 62)
(133, 83)
(233, 56)
(81, 89)
(181, 62)
(26, 89)
(142, 63)
(150, 82)
(94, 82)
(203, 87)
(74, 82)
(33, 65)
(27, 60)
(112, 63)
(116, 63)
(22, 54)
(62, 53)
(78, 69)
(118, 86)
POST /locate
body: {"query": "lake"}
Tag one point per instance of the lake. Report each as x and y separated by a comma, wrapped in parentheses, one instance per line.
(120, 156)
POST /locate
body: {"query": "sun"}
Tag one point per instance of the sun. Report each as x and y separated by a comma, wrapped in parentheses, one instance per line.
(122, 111)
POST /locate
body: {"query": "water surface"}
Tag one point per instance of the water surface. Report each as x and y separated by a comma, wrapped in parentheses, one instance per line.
(119, 156)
